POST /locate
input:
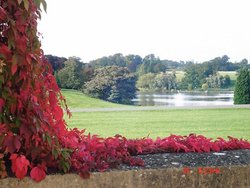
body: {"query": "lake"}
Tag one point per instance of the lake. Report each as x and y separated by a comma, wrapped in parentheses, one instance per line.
(185, 99)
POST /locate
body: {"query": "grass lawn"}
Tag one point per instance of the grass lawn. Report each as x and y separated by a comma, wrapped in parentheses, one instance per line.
(179, 75)
(136, 124)
(232, 74)
(76, 99)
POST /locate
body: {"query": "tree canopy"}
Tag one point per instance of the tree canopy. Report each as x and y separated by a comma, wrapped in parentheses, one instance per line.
(242, 88)
(112, 83)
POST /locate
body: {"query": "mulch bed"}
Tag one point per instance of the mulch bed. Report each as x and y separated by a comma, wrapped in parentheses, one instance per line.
(180, 160)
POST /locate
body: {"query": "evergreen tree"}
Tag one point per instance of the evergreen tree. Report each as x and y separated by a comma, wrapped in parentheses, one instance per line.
(242, 88)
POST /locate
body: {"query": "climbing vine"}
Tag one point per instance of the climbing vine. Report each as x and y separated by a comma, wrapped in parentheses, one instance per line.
(31, 120)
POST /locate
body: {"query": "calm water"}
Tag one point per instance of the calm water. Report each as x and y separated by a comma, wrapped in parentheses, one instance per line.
(184, 99)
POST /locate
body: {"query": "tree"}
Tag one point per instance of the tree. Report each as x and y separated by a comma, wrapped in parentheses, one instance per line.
(71, 76)
(242, 88)
(133, 62)
(146, 82)
(151, 64)
(157, 82)
(56, 62)
(112, 83)
(165, 81)
(193, 77)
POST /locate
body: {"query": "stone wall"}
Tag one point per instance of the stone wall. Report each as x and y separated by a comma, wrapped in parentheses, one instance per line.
(233, 176)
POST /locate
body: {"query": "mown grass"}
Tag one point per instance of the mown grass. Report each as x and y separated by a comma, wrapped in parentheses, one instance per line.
(232, 74)
(76, 99)
(179, 75)
(136, 124)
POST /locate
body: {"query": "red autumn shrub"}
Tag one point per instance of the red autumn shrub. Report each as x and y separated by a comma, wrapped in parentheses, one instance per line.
(191, 143)
(33, 134)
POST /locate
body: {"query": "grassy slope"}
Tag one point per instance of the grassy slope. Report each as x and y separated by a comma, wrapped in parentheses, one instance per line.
(179, 75)
(76, 99)
(232, 74)
(211, 122)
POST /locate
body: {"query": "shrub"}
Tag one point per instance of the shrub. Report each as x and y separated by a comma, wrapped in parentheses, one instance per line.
(242, 88)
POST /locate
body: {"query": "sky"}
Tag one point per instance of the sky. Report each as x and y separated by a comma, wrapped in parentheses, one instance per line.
(187, 30)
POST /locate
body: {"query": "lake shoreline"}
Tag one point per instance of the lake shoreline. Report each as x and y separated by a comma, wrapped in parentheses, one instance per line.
(153, 108)
(184, 98)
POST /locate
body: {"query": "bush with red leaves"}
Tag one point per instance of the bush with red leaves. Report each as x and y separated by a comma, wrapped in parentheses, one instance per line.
(34, 138)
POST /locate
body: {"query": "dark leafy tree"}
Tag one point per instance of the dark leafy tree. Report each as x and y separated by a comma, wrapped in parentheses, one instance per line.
(112, 83)
(114, 60)
(133, 62)
(242, 88)
(56, 62)
(151, 64)
(174, 65)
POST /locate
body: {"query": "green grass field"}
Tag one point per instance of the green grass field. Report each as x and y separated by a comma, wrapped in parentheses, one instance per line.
(232, 74)
(179, 75)
(76, 99)
(210, 122)
(137, 124)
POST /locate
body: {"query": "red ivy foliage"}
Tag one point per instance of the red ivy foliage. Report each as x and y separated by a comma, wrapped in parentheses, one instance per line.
(33, 133)
(19, 165)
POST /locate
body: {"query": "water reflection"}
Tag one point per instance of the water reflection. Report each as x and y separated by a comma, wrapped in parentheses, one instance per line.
(184, 99)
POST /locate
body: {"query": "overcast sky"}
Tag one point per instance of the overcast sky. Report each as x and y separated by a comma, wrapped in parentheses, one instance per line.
(185, 30)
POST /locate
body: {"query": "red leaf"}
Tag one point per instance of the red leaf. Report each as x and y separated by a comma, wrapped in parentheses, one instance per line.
(3, 129)
(2, 14)
(21, 43)
(5, 51)
(19, 165)
(2, 103)
(11, 143)
(84, 174)
(37, 173)
(13, 69)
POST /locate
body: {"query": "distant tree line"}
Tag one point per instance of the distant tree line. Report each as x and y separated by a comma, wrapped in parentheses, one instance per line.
(102, 78)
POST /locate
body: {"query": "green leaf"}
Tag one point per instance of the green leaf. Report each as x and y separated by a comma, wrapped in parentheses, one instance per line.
(44, 5)
(65, 154)
(55, 153)
(37, 3)
(65, 166)
(26, 4)
(48, 138)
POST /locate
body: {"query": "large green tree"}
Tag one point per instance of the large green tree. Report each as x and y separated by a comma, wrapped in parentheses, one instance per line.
(242, 88)
(71, 76)
(112, 83)
(151, 64)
